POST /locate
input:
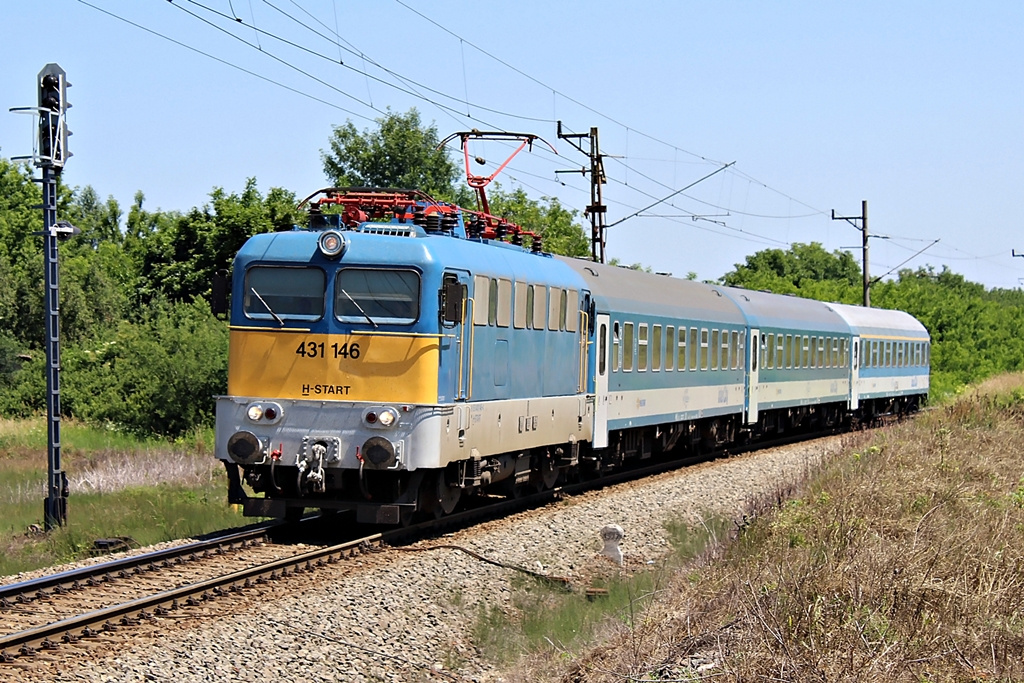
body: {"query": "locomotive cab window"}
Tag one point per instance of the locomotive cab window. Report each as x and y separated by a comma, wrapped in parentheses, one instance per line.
(379, 296)
(276, 292)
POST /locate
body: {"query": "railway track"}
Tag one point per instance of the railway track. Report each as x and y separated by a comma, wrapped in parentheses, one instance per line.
(44, 614)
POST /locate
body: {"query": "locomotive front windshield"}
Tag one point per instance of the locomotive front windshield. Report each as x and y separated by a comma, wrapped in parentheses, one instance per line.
(377, 296)
(279, 293)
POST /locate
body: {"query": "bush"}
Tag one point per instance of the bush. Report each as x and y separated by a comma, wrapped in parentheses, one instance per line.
(155, 376)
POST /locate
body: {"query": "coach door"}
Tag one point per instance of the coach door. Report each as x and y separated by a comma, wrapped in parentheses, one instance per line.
(751, 393)
(855, 374)
(602, 367)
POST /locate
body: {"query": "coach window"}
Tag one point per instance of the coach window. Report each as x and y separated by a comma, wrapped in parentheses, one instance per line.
(616, 348)
(658, 347)
(917, 353)
(381, 296)
(741, 361)
(780, 350)
(768, 359)
(694, 349)
(670, 351)
(888, 354)
(735, 348)
(711, 351)
(572, 310)
(504, 302)
(821, 352)
(554, 305)
(641, 348)
(806, 356)
(814, 345)
(843, 350)
(835, 353)
(284, 292)
(703, 348)
(681, 365)
(602, 349)
(927, 353)
(627, 347)
(519, 309)
(788, 351)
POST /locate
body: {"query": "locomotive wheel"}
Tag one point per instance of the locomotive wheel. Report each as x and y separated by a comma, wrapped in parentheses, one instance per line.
(439, 496)
(545, 475)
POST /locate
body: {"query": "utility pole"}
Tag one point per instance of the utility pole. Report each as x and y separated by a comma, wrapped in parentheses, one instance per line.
(596, 211)
(52, 152)
(863, 227)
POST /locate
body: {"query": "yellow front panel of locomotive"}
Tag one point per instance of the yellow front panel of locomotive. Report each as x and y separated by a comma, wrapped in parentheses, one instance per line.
(386, 368)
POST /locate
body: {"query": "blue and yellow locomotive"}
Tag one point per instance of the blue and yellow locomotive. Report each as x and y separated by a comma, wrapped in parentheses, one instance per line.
(400, 353)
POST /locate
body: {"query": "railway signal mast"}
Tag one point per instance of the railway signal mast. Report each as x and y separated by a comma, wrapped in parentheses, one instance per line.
(50, 154)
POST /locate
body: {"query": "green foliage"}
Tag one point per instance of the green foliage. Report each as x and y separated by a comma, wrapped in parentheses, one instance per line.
(155, 376)
(547, 217)
(401, 152)
(180, 256)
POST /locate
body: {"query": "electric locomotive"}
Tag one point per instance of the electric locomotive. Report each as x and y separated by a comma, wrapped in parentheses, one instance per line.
(397, 354)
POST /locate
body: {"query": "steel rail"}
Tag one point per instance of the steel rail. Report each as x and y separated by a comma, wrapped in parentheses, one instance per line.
(72, 629)
(19, 592)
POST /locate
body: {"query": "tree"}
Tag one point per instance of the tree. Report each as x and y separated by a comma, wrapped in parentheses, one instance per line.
(180, 255)
(792, 269)
(547, 217)
(402, 152)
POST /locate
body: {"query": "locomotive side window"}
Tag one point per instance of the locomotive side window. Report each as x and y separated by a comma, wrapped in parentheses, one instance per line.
(572, 310)
(627, 347)
(670, 352)
(278, 292)
(538, 310)
(492, 302)
(388, 296)
(554, 302)
(519, 312)
(481, 295)
(642, 348)
(504, 302)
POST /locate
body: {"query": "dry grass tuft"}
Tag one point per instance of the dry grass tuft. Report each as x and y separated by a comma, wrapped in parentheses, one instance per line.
(903, 561)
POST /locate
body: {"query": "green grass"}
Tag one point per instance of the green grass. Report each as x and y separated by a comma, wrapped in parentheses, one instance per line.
(147, 490)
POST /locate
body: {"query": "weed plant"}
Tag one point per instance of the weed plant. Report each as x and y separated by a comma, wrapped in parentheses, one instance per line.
(903, 560)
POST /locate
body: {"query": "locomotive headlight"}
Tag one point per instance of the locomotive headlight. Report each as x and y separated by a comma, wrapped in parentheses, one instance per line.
(332, 244)
(255, 412)
(380, 417)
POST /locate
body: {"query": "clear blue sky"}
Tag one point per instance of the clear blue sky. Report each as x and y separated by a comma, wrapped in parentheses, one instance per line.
(914, 106)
